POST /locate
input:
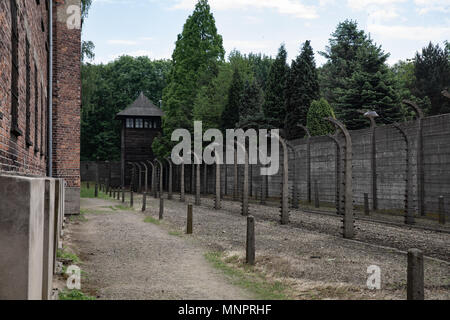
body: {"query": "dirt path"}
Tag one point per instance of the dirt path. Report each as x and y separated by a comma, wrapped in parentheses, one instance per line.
(125, 258)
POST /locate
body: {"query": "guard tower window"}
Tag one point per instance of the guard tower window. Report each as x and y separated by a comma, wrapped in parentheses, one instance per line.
(14, 71)
(130, 123)
(139, 123)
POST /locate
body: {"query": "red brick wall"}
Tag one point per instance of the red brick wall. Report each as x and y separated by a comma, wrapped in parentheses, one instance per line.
(15, 156)
(66, 96)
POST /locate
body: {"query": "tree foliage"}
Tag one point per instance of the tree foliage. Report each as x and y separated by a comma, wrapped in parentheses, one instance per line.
(316, 123)
(107, 90)
(302, 89)
(275, 93)
(356, 78)
(196, 58)
(432, 76)
(250, 112)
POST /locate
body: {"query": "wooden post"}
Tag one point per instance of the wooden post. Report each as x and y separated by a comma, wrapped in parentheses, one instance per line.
(96, 190)
(189, 219)
(161, 208)
(415, 278)
(144, 202)
(441, 210)
(250, 248)
(88, 185)
(123, 195)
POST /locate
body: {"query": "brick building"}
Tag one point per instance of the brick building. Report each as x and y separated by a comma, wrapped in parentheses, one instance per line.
(40, 91)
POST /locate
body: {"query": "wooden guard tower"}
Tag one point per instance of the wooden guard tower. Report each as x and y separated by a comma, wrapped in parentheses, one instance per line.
(141, 123)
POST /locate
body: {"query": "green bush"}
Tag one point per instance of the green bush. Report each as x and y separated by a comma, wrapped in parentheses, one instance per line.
(319, 110)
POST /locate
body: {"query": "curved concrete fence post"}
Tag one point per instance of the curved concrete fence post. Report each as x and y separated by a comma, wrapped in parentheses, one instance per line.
(153, 183)
(235, 178)
(182, 187)
(337, 165)
(348, 183)
(170, 184)
(139, 167)
(373, 162)
(205, 179)
(420, 156)
(285, 184)
(308, 162)
(217, 202)
(196, 165)
(161, 168)
(295, 196)
(244, 199)
(145, 176)
(409, 212)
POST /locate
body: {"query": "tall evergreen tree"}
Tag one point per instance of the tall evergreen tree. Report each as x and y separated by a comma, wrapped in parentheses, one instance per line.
(357, 78)
(275, 94)
(198, 51)
(230, 115)
(432, 76)
(302, 89)
(251, 115)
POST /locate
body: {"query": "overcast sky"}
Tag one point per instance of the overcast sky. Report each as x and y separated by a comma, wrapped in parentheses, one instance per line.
(150, 27)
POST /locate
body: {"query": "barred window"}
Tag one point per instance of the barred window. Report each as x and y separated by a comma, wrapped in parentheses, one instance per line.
(130, 123)
(28, 96)
(139, 123)
(36, 110)
(14, 71)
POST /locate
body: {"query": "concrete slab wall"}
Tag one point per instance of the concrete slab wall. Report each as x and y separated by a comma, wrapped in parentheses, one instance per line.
(30, 227)
(21, 237)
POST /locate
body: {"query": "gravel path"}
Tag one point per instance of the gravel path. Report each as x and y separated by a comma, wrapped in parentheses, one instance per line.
(125, 258)
(311, 253)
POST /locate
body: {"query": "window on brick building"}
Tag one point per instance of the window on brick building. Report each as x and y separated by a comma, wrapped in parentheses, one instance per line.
(36, 110)
(14, 71)
(28, 96)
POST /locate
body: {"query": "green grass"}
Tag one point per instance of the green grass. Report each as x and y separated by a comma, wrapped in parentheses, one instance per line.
(175, 233)
(248, 278)
(67, 255)
(79, 217)
(90, 193)
(152, 220)
(124, 208)
(74, 295)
